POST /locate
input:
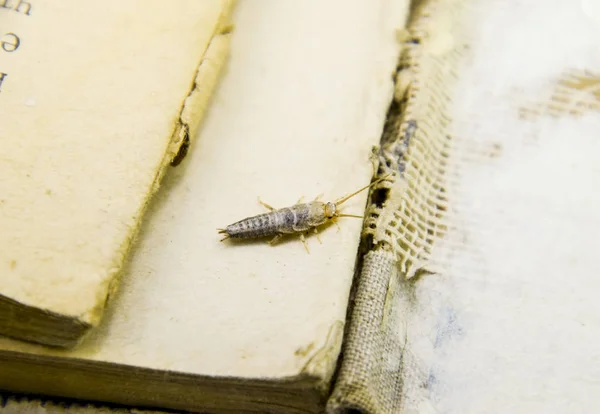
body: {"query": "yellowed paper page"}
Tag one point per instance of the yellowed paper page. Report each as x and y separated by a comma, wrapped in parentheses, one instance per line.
(245, 327)
(91, 96)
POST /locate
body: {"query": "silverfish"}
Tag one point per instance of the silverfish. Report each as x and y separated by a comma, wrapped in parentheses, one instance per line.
(297, 219)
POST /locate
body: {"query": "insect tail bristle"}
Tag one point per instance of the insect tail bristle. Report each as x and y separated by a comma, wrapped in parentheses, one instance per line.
(223, 231)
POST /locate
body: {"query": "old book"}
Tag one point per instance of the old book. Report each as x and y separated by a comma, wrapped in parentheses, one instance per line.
(96, 100)
(245, 327)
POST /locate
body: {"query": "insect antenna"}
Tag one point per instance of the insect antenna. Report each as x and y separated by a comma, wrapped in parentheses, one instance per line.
(350, 215)
(346, 197)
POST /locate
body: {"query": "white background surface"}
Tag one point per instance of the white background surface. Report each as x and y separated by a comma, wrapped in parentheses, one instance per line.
(512, 322)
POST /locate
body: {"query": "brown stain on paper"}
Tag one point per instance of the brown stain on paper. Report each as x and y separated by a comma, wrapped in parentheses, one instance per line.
(575, 93)
(304, 351)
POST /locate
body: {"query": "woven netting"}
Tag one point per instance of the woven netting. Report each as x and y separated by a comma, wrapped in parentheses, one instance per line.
(404, 219)
(408, 216)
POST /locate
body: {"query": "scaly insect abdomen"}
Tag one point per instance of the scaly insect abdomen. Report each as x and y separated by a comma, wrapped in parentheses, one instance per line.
(253, 227)
(287, 220)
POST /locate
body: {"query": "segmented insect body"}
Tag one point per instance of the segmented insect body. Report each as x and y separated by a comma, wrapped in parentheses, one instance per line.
(299, 218)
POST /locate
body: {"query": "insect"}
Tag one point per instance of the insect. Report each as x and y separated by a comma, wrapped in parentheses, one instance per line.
(297, 219)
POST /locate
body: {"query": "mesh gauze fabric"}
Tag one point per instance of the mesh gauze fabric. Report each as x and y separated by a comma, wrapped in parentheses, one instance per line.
(405, 218)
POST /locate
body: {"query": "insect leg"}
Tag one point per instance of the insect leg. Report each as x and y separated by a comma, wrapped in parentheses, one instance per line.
(303, 239)
(318, 197)
(275, 239)
(266, 205)
(317, 233)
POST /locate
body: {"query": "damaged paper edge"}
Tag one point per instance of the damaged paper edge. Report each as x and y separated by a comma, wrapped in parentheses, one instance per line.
(190, 118)
(321, 365)
(208, 72)
(192, 113)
